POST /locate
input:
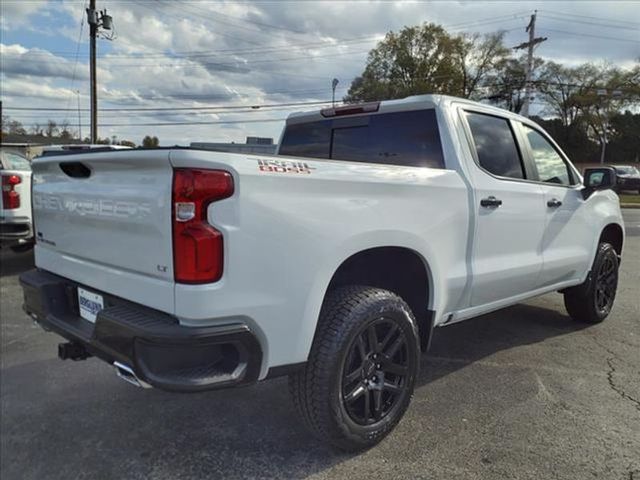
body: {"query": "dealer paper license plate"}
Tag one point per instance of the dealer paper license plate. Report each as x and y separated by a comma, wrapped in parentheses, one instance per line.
(90, 304)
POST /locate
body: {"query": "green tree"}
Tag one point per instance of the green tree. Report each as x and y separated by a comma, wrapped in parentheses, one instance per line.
(506, 84)
(624, 145)
(51, 129)
(413, 61)
(477, 59)
(427, 59)
(148, 141)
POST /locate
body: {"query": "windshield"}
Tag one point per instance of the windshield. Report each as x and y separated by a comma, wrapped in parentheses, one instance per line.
(14, 161)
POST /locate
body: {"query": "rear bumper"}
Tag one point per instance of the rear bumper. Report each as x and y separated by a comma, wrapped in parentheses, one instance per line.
(14, 230)
(152, 344)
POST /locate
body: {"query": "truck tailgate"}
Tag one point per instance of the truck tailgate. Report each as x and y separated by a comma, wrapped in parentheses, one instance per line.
(104, 219)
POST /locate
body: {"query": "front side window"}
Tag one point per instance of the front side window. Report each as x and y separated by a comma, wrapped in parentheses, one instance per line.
(408, 138)
(495, 145)
(550, 165)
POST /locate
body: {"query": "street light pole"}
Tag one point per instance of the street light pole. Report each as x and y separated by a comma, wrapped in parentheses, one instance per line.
(79, 117)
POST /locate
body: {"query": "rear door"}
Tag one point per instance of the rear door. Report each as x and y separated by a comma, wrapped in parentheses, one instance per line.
(510, 212)
(568, 237)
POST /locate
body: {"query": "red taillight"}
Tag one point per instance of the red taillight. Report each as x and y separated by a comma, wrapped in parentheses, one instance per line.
(198, 254)
(10, 198)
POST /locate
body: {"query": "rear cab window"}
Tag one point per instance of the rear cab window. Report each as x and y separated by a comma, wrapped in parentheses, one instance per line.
(407, 138)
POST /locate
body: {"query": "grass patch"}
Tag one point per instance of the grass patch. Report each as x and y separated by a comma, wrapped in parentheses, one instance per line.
(629, 198)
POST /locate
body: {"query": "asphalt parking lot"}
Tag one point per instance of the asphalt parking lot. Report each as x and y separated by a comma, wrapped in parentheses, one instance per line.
(524, 393)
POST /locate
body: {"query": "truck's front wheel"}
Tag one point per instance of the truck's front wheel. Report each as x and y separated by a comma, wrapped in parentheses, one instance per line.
(361, 371)
(592, 301)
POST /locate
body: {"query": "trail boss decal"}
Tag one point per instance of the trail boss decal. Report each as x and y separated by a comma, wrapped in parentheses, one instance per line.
(284, 166)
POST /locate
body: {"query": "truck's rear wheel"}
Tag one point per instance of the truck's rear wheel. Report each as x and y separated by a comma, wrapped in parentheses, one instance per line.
(361, 371)
(592, 301)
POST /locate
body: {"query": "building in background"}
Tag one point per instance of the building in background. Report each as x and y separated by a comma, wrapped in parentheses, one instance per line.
(256, 145)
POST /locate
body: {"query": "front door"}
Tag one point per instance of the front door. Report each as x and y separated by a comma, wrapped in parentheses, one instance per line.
(567, 240)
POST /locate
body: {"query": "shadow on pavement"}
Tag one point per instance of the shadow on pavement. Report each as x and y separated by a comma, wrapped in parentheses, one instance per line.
(80, 419)
(15, 263)
(477, 338)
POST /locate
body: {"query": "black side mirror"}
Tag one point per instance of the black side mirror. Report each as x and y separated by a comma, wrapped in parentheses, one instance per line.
(601, 178)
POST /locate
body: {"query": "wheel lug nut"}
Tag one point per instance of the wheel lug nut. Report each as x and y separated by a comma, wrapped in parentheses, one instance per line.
(378, 366)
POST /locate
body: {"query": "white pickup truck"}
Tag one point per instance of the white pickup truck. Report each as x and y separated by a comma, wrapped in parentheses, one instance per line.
(15, 201)
(331, 262)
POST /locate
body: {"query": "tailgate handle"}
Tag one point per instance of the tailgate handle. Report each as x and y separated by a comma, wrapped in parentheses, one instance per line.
(75, 169)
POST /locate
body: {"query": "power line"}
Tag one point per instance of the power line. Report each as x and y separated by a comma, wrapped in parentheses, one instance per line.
(576, 34)
(237, 64)
(166, 124)
(572, 16)
(209, 53)
(488, 20)
(75, 63)
(149, 109)
(200, 18)
(134, 114)
(586, 22)
(246, 20)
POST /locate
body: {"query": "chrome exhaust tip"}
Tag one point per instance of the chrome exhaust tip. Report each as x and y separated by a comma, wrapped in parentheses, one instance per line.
(127, 374)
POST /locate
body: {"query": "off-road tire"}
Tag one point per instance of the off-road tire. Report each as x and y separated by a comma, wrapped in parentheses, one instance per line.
(584, 302)
(318, 390)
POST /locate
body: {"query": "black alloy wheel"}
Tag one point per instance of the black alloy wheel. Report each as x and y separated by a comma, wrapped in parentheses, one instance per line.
(592, 301)
(605, 285)
(359, 377)
(374, 378)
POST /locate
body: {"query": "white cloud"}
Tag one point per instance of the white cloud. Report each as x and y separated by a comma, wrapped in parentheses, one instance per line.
(251, 53)
(16, 13)
(17, 60)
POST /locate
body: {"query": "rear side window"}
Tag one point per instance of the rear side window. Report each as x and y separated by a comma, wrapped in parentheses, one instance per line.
(401, 138)
(13, 161)
(495, 145)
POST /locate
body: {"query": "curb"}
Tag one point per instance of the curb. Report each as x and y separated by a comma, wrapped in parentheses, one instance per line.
(630, 205)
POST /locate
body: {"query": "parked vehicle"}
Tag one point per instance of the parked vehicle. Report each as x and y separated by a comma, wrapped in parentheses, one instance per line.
(627, 178)
(331, 263)
(15, 203)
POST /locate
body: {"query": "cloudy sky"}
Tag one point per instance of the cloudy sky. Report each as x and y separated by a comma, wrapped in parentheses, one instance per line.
(173, 55)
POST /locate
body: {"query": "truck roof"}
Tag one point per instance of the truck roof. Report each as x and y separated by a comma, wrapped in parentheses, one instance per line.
(408, 103)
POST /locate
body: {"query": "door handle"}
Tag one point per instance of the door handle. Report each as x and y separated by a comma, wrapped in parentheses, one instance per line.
(554, 203)
(490, 202)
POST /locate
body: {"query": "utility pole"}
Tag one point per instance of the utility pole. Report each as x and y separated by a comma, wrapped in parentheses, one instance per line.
(92, 18)
(96, 19)
(533, 41)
